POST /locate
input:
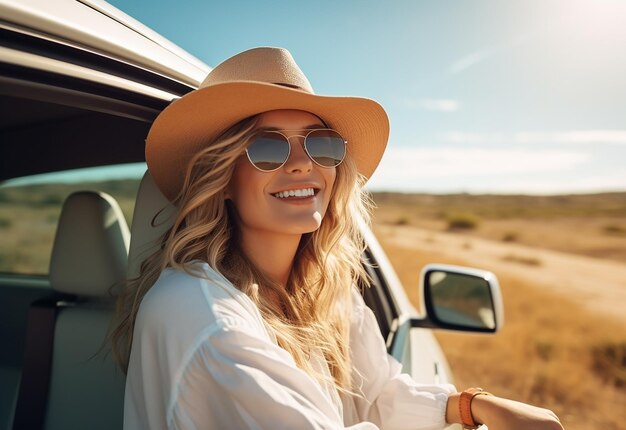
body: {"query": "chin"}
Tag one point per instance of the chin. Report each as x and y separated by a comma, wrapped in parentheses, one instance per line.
(312, 224)
(303, 228)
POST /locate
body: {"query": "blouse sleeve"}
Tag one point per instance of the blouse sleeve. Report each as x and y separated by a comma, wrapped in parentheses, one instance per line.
(258, 385)
(389, 398)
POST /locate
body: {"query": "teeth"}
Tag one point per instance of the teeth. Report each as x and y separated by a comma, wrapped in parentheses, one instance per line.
(303, 192)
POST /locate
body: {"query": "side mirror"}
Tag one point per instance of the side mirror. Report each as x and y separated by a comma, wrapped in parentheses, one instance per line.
(460, 298)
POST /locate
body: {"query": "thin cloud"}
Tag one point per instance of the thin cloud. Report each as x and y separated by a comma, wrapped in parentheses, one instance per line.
(447, 169)
(471, 59)
(615, 137)
(463, 137)
(438, 105)
(485, 53)
(440, 162)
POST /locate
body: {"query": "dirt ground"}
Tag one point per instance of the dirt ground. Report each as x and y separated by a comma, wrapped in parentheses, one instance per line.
(599, 285)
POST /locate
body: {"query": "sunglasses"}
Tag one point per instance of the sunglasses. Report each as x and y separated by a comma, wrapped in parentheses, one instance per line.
(270, 149)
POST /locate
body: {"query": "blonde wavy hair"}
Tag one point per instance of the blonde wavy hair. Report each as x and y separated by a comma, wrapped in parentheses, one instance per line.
(306, 315)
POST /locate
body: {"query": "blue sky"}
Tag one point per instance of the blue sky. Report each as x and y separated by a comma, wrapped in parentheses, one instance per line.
(483, 96)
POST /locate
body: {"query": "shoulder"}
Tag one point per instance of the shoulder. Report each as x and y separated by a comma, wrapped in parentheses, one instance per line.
(185, 317)
(359, 308)
(187, 302)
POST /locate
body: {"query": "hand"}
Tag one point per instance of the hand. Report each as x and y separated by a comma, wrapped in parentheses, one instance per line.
(503, 414)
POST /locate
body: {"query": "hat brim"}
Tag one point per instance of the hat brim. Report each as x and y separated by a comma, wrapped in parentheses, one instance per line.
(186, 125)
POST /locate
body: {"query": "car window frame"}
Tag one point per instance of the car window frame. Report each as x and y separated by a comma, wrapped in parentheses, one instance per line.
(379, 299)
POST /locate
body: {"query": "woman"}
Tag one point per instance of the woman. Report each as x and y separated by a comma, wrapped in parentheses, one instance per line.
(248, 314)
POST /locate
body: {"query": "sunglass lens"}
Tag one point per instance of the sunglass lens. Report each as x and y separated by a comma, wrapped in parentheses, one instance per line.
(268, 151)
(326, 147)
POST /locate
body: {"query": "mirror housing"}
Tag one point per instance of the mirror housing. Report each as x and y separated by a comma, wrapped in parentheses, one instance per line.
(460, 298)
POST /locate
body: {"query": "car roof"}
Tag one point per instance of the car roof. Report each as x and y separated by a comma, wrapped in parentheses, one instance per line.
(81, 83)
(118, 35)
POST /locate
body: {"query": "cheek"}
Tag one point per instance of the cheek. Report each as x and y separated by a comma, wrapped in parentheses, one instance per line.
(242, 174)
(236, 189)
(330, 176)
(246, 186)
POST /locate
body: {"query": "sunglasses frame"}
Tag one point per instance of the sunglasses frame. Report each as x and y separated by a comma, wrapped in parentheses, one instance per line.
(304, 136)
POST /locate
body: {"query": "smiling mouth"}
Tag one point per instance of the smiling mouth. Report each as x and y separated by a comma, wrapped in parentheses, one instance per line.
(300, 193)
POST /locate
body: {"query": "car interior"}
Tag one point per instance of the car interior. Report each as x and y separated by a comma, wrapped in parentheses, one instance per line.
(68, 378)
(55, 371)
(45, 137)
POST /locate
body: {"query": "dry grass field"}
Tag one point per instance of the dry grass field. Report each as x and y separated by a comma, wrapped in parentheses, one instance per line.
(591, 225)
(555, 350)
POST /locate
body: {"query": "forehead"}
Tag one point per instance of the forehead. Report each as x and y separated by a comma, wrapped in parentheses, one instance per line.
(288, 119)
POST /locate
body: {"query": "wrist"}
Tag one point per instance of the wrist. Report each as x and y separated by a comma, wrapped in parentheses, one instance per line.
(480, 408)
(470, 411)
(452, 409)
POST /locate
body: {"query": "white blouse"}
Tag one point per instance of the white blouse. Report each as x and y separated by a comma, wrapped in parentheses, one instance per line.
(202, 358)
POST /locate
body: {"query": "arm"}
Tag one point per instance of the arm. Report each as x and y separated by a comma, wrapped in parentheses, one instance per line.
(389, 398)
(395, 400)
(503, 414)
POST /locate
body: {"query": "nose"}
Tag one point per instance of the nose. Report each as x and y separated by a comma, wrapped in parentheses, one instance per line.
(299, 160)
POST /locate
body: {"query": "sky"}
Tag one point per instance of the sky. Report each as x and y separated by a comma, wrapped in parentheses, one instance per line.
(485, 96)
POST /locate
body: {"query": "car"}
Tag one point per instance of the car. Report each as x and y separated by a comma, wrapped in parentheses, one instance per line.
(80, 84)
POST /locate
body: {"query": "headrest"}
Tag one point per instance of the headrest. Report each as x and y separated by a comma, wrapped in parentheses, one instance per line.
(90, 252)
(153, 216)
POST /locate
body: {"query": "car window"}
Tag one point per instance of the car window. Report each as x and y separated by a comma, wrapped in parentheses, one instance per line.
(30, 209)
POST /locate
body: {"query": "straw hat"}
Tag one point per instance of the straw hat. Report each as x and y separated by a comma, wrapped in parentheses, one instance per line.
(252, 82)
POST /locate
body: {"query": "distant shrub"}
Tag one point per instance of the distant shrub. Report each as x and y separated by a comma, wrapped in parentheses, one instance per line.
(5, 222)
(529, 261)
(11, 262)
(544, 349)
(614, 229)
(465, 221)
(609, 361)
(510, 237)
(52, 200)
(402, 220)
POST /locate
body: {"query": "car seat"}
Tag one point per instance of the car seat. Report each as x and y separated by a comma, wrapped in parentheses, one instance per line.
(153, 216)
(85, 389)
